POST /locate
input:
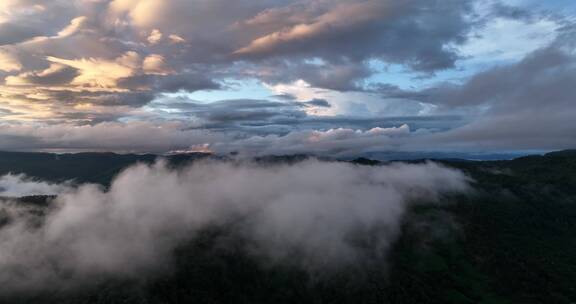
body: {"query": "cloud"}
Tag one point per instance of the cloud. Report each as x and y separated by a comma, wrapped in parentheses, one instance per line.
(339, 142)
(360, 30)
(504, 96)
(129, 231)
(154, 37)
(11, 33)
(527, 105)
(251, 127)
(341, 17)
(141, 13)
(318, 103)
(344, 75)
(20, 185)
(21, 20)
(105, 136)
(9, 62)
(55, 74)
(77, 63)
(75, 25)
(231, 114)
(156, 65)
(103, 73)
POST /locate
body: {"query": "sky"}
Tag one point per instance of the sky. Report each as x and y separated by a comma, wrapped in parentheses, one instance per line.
(338, 78)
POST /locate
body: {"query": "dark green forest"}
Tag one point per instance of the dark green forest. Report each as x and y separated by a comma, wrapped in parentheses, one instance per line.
(513, 240)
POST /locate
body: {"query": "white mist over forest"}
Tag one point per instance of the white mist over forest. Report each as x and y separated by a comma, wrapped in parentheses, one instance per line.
(304, 213)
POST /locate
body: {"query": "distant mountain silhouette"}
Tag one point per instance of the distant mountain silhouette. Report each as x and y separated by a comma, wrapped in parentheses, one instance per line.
(81, 167)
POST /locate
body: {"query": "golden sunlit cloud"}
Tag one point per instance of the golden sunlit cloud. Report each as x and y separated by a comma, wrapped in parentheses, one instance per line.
(9, 62)
(100, 72)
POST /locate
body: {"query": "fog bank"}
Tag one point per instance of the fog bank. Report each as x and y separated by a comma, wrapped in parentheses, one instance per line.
(308, 213)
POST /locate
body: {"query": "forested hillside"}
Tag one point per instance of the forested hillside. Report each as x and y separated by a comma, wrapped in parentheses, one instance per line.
(513, 240)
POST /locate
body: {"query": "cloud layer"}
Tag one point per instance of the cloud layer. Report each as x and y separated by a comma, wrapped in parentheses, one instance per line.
(245, 70)
(306, 213)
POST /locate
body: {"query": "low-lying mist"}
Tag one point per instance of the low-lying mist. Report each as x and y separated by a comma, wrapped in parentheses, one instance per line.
(17, 185)
(312, 214)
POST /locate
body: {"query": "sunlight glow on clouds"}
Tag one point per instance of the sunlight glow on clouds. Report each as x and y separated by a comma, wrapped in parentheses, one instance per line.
(253, 70)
